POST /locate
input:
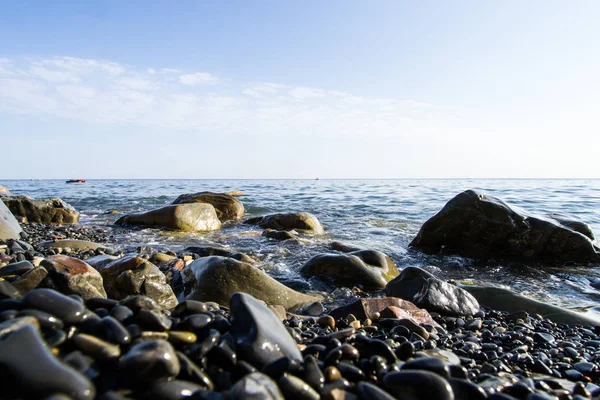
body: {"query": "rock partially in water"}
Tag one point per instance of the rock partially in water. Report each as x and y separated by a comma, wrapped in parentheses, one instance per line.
(30, 370)
(134, 275)
(192, 217)
(475, 225)
(431, 293)
(301, 222)
(278, 235)
(260, 336)
(218, 278)
(9, 226)
(52, 210)
(574, 224)
(207, 251)
(369, 268)
(73, 276)
(228, 208)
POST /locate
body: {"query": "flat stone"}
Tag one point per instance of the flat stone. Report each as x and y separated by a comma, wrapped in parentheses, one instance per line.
(260, 336)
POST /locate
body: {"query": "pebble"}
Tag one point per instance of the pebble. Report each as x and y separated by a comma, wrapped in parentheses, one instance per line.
(148, 361)
(63, 307)
(415, 385)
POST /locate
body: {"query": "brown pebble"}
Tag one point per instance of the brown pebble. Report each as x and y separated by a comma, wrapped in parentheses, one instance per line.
(182, 337)
(332, 373)
(355, 324)
(326, 321)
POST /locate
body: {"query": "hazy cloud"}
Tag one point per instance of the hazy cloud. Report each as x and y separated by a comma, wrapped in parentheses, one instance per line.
(199, 78)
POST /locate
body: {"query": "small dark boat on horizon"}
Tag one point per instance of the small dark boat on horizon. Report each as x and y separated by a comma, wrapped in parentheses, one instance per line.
(76, 181)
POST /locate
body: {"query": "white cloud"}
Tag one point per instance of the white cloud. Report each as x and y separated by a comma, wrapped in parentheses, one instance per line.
(199, 78)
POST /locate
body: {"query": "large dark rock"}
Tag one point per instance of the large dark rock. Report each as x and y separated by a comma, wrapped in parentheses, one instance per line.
(475, 225)
(301, 222)
(227, 207)
(574, 224)
(9, 226)
(260, 336)
(193, 217)
(74, 276)
(431, 293)
(54, 210)
(218, 278)
(369, 268)
(132, 275)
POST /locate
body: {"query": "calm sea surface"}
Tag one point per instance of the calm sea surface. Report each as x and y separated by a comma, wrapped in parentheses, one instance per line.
(383, 215)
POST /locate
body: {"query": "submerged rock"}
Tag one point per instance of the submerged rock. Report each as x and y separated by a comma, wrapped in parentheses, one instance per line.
(9, 226)
(193, 217)
(52, 210)
(228, 208)
(431, 293)
(369, 268)
(475, 225)
(207, 251)
(218, 278)
(301, 222)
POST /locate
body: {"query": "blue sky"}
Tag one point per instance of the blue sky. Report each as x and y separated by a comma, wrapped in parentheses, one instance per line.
(271, 89)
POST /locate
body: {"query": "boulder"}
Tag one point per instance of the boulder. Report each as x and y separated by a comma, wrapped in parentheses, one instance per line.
(574, 224)
(101, 261)
(53, 210)
(193, 217)
(278, 235)
(72, 244)
(431, 293)
(369, 268)
(9, 226)
(73, 276)
(506, 300)
(4, 191)
(207, 251)
(133, 275)
(218, 278)
(301, 222)
(228, 208)
(475, 225)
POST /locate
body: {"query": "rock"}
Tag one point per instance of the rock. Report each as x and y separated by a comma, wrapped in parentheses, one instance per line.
(30, 370)
(369, 307)
(431, 293)
(134, 275)
(228, 208)
(169, 390)
(301, 222)
(100, 262)
(475, 225)
(417, 385)
(369, 268)
(260, 336)
(507, 300)
(147, 362)
(73, 276)
(63, 307)
(256, 386)
(72, 244)
(4, 191)
(236, 193)
(161, 258)
(278, 235)
(30, 280)
(8, 291)
(207, 251)
(52, 210)
(218, 278)
(574, 224)
(194, 217)
(9, 226)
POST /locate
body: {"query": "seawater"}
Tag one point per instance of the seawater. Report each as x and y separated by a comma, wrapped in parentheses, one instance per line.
(383, 215)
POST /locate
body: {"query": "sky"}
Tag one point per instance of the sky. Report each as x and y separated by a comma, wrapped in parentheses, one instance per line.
(300, 89)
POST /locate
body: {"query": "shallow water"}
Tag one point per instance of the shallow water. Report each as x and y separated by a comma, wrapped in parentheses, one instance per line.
(378, 214)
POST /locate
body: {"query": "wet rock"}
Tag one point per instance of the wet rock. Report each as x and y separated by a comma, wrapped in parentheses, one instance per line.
(295, 388)
(147, 362)
(34, 372)
(369, 308)
(256, 386)
(65, 308)
(228, 208)
(192, 217)
(30, 280)
(9, 226)
(8, 291)
(134, 275)
(260, 337)
(301, 222)
(574, 224)
(73, 276)
(101, 261)
(218, 278)
(169, 390)
(416, 385)
(369, 268)
(475, 225)
(53, 210)
(72, 244)
(207, 251)
(278, 235)
(432, 293)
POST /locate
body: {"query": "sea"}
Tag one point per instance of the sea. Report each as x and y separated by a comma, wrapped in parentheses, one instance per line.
(383, 215)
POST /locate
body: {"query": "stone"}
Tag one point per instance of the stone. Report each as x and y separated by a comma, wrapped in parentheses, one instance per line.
(476, 225)
(506, 300)
(295, 388)
(417, 385)
(369, 308)
(218, 278)
(147, 362)
(8, 291)
(431, 293)
(228, 208)
(256, 386)
(63, 307)
(260, 336)
(207, 251)
(192, 217)
(53, 210)
(133, 275)
(30, 370)
(574, 224)
(278, 235)
(369, 268)
(30, 280)
(169, 390)
(9, 226)
(100, 262)
(301, 222)
(74, 276)
(4, 191)
(72, 244)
